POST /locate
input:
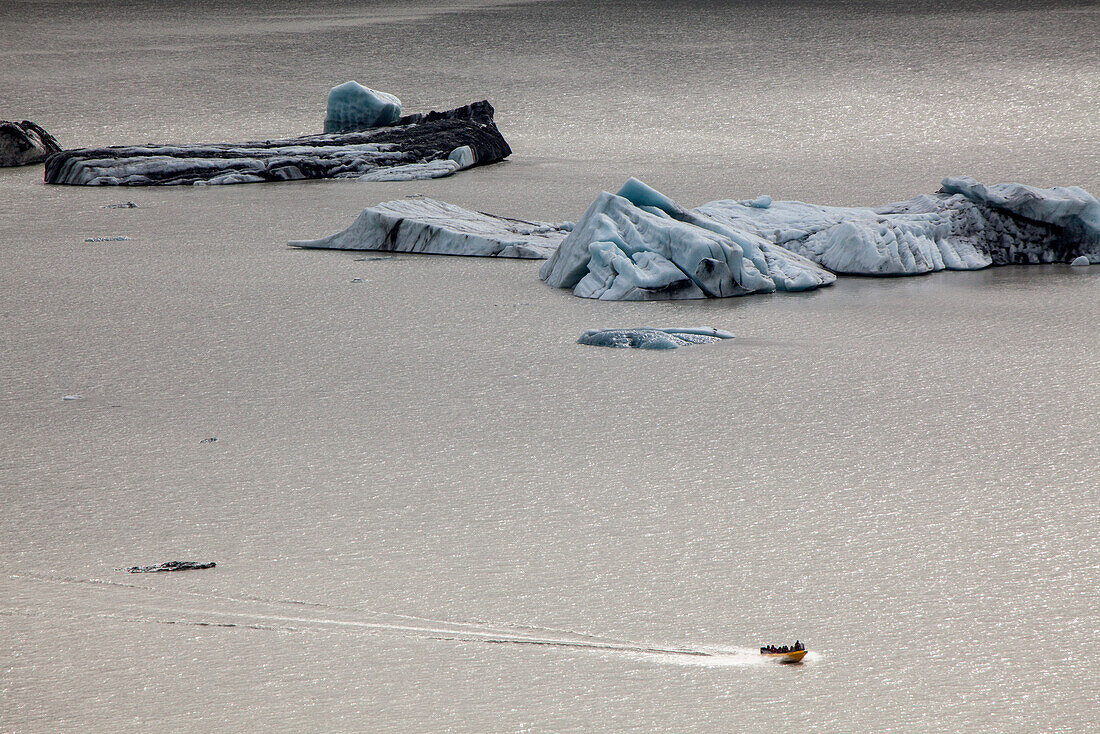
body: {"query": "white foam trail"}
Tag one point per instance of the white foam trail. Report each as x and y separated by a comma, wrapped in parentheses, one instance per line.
(481, 632)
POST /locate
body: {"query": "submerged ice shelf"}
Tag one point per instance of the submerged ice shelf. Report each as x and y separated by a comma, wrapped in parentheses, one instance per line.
(435, 227)
(640, 245)
(415, 146)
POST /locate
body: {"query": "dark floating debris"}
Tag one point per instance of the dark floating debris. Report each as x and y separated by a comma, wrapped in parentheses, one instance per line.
(212, 439)
(172, 566)
(118, 238)
(124, 205)
(23, 143)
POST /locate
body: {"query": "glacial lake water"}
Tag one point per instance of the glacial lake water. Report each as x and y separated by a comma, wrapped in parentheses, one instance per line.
(432, 510)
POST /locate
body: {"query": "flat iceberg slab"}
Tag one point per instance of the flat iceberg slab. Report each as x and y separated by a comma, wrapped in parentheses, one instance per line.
(419, 146)
(651, 338)
(352, 107)
(435, 227)
(639, 245)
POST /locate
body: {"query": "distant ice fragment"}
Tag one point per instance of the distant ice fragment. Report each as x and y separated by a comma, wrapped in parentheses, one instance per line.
(428, 226)
(172, 566)
(72, 397)
(353, 107)
(117, 238)
(1080, 261)
(651, 338)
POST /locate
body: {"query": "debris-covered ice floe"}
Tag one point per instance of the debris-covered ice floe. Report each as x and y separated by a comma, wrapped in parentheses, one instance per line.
(640, 245)
(415, 146)
(23, 143)
(651, 338)
(435, 227)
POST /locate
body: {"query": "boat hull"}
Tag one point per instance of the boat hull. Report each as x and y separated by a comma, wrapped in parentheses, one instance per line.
(794, 656)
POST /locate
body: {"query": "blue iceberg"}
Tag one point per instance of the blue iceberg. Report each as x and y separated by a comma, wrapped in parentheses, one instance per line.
(353, 107)
(640, 245)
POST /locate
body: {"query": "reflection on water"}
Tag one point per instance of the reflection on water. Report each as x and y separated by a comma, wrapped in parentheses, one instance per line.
(900, 472)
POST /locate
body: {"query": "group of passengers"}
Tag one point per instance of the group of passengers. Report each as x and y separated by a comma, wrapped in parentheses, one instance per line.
(772, 649)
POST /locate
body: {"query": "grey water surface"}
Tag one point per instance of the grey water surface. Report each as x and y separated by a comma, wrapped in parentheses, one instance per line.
(431, 510)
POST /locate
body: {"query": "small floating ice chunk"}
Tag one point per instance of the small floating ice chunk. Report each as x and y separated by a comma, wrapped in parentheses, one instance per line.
(1080, 261)
(353, 107)
(107, 239)
(651, 338)
(72, 397)
(761, 202)
(124, 205)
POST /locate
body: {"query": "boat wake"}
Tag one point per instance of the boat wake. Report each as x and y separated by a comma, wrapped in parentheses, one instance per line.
(139, 603)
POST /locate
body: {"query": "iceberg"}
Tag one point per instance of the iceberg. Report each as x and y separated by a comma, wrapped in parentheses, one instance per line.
(418, 146)
(963, 226)
(352, 107)
(23, 143)
(427, 226)
(1080, 262)
(640, 245)
(651, 338)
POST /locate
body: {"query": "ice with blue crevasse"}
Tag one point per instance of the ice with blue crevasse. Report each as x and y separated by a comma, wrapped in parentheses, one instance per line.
(353, 107)
(640, 245)
(434, 227)
(651, 338)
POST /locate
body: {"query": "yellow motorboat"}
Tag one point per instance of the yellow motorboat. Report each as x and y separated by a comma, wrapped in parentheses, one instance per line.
(791, 656)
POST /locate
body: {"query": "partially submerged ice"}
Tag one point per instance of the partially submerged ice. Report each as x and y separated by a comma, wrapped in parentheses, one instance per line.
(963, 226)
(435, 227)
(352, 107)
(415, 146)
(651, 338)
(640, 245)
(23, 143)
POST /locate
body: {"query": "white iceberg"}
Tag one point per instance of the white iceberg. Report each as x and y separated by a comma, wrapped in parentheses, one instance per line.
(353, 107)
(651, 338)
(435, 227)
(964, 226)
(639, 245)
(1080, 262)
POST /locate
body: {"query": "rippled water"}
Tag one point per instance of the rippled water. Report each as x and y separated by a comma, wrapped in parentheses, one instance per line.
(431, 509)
